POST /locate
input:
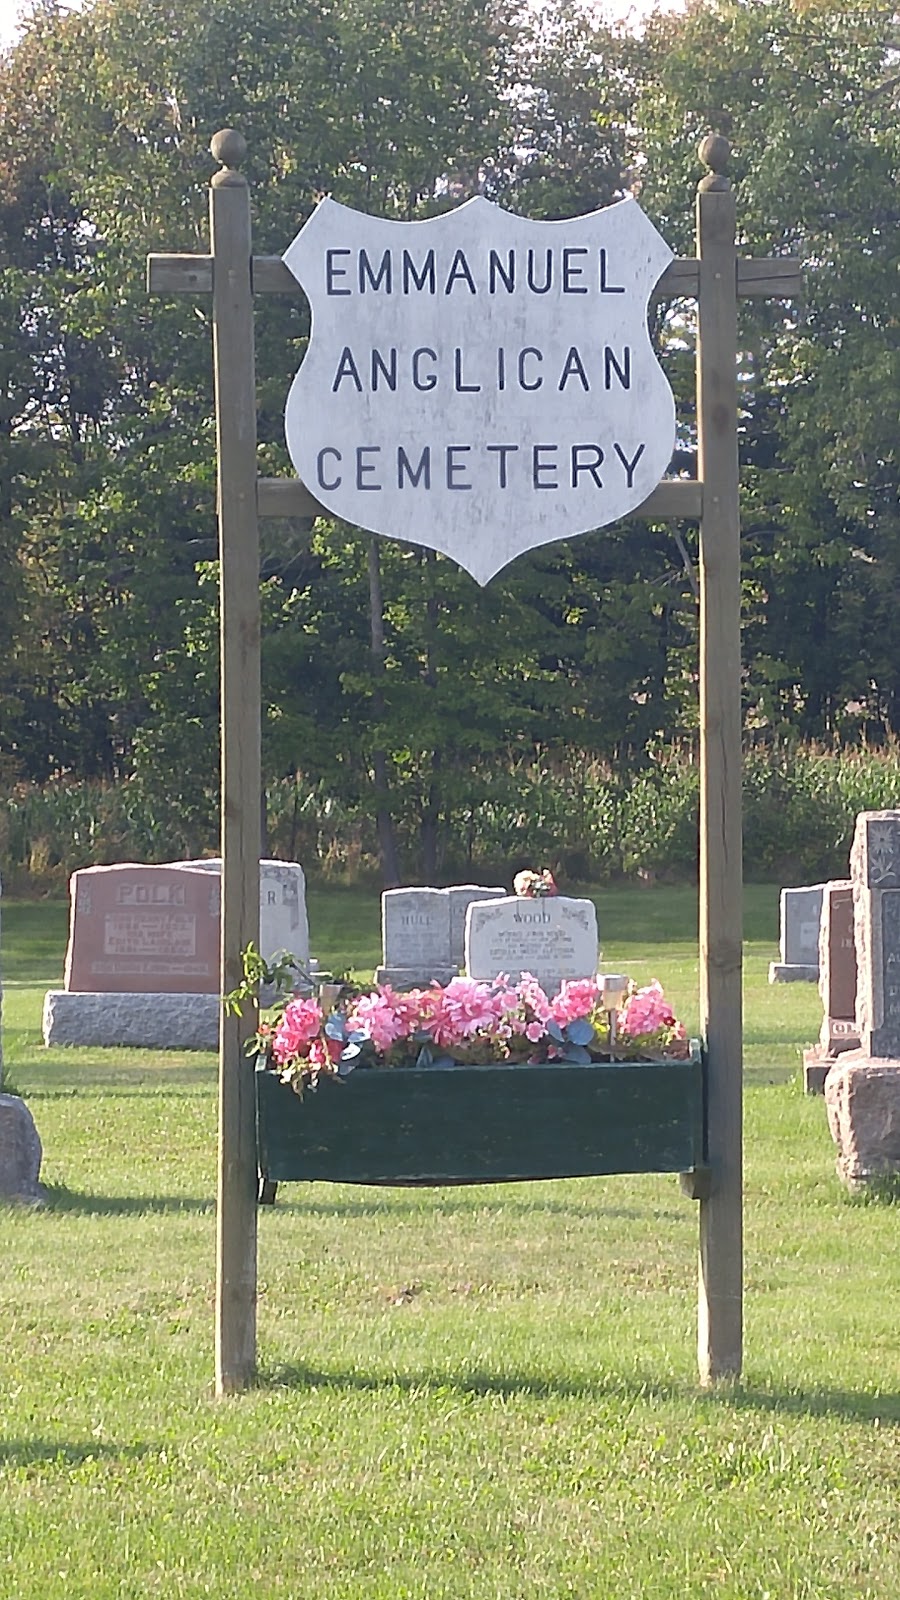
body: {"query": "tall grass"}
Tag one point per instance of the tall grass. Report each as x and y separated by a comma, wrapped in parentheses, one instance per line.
(585, 818)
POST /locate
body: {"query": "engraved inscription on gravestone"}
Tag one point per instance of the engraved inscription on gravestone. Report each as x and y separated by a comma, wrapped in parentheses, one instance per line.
(875, 870)
(554, 939)
(143, 929)
(885, 1038)
(415, 931)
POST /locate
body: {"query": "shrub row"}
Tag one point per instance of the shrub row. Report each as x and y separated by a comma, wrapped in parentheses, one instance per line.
(586, 820)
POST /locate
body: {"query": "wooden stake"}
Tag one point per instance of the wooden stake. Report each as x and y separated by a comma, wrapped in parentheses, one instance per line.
(719, 1336)
(235, 400)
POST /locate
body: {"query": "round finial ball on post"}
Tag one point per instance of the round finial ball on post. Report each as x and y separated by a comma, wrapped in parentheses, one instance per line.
(714, 151)
(230, 148)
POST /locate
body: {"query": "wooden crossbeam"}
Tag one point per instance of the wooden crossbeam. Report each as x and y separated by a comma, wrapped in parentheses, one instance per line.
(288, 497)
(770, 278)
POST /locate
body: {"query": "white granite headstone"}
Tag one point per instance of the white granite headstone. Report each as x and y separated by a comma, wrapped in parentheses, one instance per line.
(553, 938)
(283, 922)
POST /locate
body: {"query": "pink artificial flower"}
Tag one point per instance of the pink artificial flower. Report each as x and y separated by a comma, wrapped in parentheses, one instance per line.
(383, 1017)
(646, 1011)
(298, 1026)
(467, 1008)
(325, 1053)
(533, 997)
(577, 997)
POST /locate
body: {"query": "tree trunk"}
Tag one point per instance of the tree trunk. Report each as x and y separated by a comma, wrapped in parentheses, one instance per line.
(387, 839)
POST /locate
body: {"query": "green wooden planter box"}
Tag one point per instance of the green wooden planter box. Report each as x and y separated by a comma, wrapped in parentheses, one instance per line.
(462, 1124)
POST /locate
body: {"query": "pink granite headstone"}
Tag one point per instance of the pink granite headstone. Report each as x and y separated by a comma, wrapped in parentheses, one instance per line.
(143, 930)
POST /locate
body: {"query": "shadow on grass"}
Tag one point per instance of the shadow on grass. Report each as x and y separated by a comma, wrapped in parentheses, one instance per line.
(59, 1198)
(67, 1453)
(395, 1200)
(738, 1397)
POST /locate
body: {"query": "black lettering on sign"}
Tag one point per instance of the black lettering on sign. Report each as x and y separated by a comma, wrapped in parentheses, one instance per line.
(320, 468)
(460, 387)
(454, 467)
(501, 451)
(387, 369)
(428, 380)
(332, 271)
(592, 466)
(611, 365)
(540, 467)
(383, 275)
(346, 368)
(629, 465)
(531, 273)
(459, 272)
(608, 288)
(573, 367)
(365, 468)
(529, 350)
(414, 474)
(570, 270)
(420, 279)
(496, 270)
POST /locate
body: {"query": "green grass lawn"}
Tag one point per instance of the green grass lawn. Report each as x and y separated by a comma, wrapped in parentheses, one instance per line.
(481, 1394)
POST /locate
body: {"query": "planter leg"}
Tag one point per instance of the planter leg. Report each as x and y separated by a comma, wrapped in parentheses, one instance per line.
(695, 1184)
(267, 1190)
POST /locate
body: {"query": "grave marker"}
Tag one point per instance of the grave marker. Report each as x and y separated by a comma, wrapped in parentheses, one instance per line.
(837, 985)
(423, 933)
(553, 938)
(801, 910)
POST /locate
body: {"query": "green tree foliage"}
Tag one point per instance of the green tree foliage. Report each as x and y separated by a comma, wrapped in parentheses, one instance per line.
(400, 687)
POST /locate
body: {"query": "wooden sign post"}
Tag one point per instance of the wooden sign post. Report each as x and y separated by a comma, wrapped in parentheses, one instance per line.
(716, 277)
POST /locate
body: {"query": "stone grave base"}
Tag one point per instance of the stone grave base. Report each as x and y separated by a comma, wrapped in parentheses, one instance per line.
(862, 1097)
(782, 972)
(817, 1064)
(141, 1021)
(401, 978)
(20, 1152)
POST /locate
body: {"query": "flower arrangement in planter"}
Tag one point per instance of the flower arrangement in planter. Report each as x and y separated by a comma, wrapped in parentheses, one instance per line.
(469, 1023)
(471, 1082)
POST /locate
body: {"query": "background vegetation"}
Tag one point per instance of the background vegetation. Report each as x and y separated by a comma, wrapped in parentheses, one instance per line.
(396, 692)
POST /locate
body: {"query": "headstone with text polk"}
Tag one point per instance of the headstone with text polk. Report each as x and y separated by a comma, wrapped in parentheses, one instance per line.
(479, 383)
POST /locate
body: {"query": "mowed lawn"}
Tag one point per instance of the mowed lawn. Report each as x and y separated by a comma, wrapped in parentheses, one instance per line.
(486, 1393)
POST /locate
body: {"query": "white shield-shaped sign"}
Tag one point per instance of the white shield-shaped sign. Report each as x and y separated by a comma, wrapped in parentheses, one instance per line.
(479, 383)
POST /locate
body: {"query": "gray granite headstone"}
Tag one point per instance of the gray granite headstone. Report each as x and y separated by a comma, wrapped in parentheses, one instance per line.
(415, 932)
(553, 938)
(461, 896)
(875, 872)
(423, 933)
(801, 910)
(20, 1152)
